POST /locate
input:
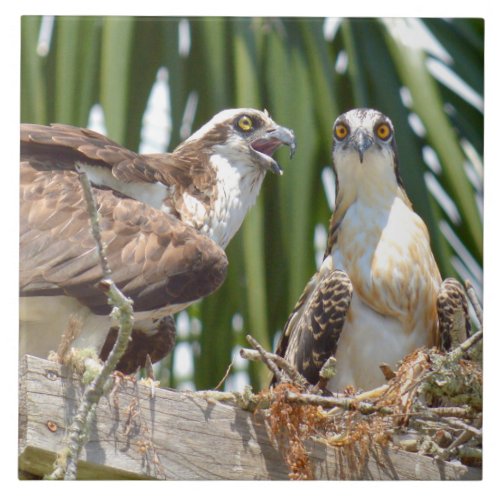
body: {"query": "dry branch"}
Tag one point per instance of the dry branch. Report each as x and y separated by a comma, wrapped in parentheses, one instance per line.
(283, 364)
(266, 358)
(350, 404)
(78, 432)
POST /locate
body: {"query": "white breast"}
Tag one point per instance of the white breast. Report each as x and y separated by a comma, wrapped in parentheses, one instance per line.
(377, 248)
(238, 186)
(369, 339)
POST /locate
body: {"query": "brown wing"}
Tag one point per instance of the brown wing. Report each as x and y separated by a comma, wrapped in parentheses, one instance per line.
(453, 314)
(156, 259)
(60, 147)
(313, 329)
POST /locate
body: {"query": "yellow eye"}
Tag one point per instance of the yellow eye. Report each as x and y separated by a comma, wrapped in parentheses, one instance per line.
(383, 131)
(341, 131)
(245, 123)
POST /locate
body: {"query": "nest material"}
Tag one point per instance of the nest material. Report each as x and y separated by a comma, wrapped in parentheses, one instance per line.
(431, 405)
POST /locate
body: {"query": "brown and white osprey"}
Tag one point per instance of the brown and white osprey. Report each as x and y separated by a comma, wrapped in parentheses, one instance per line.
(378, 294)
(165, 221)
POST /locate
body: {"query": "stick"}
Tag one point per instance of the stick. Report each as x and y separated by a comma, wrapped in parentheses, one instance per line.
(331, 402)
(461, 439)
(291, 371)
(462, 349)
(94, 222)
(265, 357)
(79, 429)
(245, 400)
(452, 411)
(455, 422)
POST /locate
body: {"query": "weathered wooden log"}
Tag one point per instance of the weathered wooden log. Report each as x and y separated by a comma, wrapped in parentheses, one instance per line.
(180, 435)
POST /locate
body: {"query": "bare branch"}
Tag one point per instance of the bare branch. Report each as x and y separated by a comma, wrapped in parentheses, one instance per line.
(265, 358)
(332, 402)
(291, 371)
(461, 439)
(464, 347)
(451, 411)
(79, 429)
(94, 222)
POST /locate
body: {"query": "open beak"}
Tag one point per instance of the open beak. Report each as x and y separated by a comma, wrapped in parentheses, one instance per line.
(268, 143)
(361, 141)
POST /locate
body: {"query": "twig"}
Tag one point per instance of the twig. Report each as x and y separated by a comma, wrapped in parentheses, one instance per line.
(469, 452)
(462, 349)
(455, 422)
(245, 400)
(265, 358)
(372, 393)
(223, 397)
(461, 439)
(471, 293)
(79, 429)
(94, 222)
(291, 371)
(331, 402)
(219, 385)
(453, 411)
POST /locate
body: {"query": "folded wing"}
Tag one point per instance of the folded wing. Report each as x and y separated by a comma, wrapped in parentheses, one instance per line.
(155, 259)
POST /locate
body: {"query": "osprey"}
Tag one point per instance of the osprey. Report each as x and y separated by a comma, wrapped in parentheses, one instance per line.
(378, 294)
(165, 220)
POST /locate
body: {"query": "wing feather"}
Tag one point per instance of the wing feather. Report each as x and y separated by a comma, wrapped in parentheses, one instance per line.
(156, 259)
(61, 147)
(453, 314)
(313, 329)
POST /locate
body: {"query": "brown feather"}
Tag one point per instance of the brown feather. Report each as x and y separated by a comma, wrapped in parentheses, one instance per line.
(320, 312)
(453, 314)
(144, 246)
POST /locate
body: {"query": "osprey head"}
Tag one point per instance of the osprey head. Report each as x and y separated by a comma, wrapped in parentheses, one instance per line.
(361, 131)
(244, 136)
(364, 150)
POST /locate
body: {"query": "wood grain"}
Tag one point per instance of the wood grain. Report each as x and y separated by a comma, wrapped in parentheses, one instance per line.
(181, 436)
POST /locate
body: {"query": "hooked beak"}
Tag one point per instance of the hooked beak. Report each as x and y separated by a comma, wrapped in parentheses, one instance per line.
(361, 141)
(271, 140)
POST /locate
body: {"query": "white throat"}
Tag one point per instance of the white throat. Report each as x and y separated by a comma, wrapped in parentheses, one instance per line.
(372, 182)
(238, 185)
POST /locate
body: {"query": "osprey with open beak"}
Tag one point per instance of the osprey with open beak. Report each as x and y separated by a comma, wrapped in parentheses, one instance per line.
(165, 221)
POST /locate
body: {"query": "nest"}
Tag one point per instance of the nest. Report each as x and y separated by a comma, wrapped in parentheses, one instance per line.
(431, 405)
